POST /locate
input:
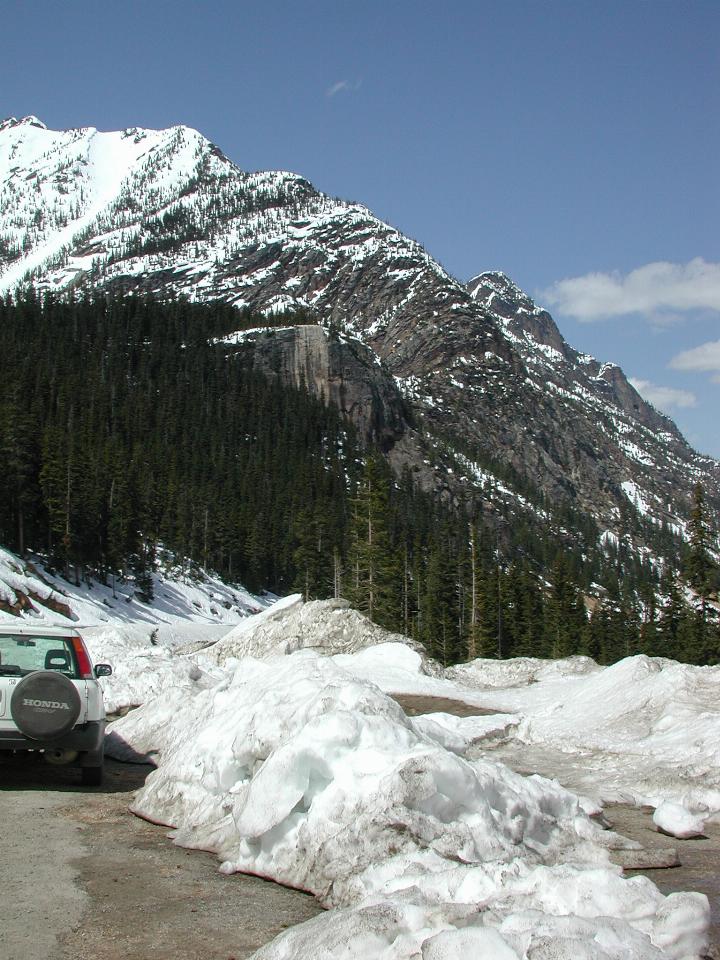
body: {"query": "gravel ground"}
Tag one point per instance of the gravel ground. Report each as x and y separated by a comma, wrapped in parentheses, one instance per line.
(94, 882)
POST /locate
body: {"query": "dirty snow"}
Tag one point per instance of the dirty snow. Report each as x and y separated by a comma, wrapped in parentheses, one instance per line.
(278, 748)
(291, 769)
(679, 822)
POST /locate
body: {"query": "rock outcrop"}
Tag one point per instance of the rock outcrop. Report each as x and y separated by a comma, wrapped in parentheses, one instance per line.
(341, 370)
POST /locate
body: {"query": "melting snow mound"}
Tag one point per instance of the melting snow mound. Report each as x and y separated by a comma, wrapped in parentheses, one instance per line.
(292, 769)
(678, 821)
(326, 626)
(520, 671)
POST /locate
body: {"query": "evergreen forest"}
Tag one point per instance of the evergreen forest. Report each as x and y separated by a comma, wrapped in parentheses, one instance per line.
(127, 425)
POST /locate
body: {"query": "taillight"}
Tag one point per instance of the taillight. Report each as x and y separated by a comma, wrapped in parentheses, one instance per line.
(83, 659)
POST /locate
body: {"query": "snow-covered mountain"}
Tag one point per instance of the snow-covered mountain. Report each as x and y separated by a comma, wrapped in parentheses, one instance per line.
(482, 388)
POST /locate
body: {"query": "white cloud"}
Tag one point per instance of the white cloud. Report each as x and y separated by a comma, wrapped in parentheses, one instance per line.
(702, 359)
(664, 398)
(659, 291)
(343, 86)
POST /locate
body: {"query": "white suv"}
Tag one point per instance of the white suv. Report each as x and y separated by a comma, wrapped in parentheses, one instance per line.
(50, 699)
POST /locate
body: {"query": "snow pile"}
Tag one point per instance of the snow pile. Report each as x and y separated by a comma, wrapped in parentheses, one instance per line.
(637, 700)
(457, 734)
(644, 730)
(679, 822)
(144, 660)
(292, 769)
(326, 626)
(396, 667)
(520, 671)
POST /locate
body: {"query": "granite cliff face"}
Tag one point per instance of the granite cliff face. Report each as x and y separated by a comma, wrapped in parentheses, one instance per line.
(343, 371)
(462, 383)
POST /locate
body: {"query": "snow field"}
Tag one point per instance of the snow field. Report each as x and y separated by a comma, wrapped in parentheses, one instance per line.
(292, 769)
(645, 731)
(279, 750)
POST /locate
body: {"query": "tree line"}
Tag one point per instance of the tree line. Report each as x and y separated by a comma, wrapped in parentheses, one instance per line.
(126, 424)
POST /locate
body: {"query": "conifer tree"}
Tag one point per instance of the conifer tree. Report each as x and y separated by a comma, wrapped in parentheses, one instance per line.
(566, 618)
(699, 565)
(700, 570)
(375, 573)
(672, 617)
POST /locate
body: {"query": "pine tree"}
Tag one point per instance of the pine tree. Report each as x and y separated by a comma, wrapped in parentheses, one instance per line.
(566, 619)
(375, 577)
(699, 566)
(699, 572)
(671, 618)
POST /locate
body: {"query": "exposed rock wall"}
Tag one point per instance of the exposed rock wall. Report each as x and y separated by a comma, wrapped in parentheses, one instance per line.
(343, 371)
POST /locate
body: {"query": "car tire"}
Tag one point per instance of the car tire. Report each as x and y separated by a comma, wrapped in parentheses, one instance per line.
(45, 705)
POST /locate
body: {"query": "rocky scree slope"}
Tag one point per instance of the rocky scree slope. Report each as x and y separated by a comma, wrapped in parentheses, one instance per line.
(453, 380)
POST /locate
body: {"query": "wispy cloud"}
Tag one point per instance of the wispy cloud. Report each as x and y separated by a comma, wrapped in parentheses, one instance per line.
(661, 292)
(664, 398)
(343, 86)
(702, 359)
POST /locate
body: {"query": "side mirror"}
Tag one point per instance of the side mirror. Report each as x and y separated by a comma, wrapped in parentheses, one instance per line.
(102, 670)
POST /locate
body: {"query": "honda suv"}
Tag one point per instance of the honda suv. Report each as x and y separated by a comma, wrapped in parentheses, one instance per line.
(50, 699)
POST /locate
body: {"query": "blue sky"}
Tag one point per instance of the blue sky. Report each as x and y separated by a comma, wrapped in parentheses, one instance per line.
(557, 141)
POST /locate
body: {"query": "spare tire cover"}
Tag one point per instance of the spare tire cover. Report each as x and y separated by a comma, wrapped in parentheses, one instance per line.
(45, 705)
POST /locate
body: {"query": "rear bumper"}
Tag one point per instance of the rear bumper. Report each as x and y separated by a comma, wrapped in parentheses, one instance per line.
(87, 738)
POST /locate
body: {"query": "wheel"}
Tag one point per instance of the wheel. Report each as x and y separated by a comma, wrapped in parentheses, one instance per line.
(45, 705)
(91, 776)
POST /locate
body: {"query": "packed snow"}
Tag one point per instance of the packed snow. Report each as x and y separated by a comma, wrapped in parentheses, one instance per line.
(289, 768)
(679, 822)
(278, 748)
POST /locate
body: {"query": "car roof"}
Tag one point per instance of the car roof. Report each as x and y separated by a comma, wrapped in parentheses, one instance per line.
(22, 629)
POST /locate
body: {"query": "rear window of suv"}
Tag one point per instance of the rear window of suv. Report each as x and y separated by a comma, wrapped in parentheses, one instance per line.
(20, 655)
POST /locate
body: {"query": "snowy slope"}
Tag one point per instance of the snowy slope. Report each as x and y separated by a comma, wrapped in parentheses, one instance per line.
(649, 450)
(79, 203)
(36, 594)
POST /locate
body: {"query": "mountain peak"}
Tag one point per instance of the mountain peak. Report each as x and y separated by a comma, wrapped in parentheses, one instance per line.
(498, 282)
(29, 121)
(516, 310)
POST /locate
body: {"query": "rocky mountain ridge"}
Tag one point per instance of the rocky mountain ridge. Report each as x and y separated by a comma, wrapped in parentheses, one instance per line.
(466, 384)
